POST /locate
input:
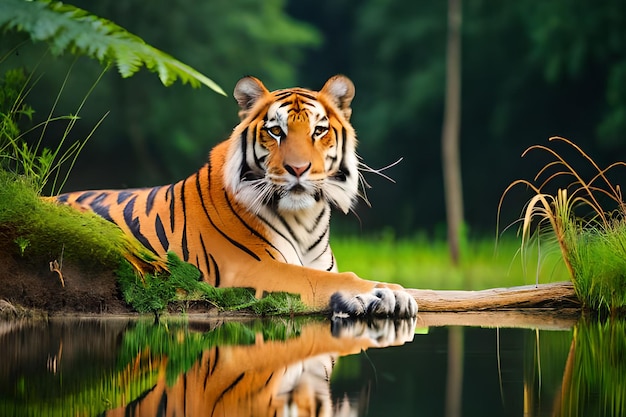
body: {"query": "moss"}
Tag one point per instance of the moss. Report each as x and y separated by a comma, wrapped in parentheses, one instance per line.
(43, 229)
(152, 293)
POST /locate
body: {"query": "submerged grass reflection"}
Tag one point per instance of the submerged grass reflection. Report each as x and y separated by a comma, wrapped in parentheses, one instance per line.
(594, 381)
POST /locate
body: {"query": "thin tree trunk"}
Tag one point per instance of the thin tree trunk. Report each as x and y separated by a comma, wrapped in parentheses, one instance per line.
(451, 129)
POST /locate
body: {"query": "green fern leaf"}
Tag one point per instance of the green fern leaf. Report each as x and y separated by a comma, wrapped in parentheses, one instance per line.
(68, 28)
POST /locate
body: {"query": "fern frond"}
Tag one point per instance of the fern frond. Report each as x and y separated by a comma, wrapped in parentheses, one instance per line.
(68, 28)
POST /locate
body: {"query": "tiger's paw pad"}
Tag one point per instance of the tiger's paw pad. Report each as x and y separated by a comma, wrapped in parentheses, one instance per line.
(380, 302)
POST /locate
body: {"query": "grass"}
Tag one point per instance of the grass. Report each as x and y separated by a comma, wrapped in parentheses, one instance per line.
(420, 262)
(585, 218)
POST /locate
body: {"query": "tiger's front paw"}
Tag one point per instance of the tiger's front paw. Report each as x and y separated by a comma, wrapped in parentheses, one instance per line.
(380, 302)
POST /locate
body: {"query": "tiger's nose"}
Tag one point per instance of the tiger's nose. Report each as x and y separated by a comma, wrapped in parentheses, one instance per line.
(297, 170)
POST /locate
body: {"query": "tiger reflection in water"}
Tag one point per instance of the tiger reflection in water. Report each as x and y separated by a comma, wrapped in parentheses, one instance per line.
(269, 378)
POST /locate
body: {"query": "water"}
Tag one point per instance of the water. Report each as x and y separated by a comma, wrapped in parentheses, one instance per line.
(193, 367)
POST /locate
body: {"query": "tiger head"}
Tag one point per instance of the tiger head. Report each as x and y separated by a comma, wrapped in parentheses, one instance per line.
(294, 148)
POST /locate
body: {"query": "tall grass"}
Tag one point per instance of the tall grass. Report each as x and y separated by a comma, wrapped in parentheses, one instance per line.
(585, 218)
(29, 158)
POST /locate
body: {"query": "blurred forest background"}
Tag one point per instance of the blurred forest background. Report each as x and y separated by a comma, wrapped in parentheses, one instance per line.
(530, 70)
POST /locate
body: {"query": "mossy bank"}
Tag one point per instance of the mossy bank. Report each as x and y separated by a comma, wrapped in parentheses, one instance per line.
(57, 260)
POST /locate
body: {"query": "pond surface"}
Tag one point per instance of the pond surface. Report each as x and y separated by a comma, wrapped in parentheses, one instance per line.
(202, 367)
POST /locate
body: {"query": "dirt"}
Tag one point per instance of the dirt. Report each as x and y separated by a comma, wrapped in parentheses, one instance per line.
(32, 285)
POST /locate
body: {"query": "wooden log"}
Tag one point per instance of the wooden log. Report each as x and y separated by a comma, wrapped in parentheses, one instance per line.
(554, 295)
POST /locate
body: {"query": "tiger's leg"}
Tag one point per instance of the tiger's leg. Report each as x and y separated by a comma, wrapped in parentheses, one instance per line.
(344, 294)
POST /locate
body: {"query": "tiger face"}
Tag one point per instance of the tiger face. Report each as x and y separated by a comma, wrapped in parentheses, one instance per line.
(299, 149)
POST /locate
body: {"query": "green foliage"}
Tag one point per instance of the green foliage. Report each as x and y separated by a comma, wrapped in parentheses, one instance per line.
(153, 293)
(165, 133)
(66, 27)
(22, 243)
(530, 69)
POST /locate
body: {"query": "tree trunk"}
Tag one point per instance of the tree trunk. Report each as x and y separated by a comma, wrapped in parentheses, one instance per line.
(451, 128)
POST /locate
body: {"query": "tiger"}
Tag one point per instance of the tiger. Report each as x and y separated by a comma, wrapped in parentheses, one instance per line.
(289, 377)
(257, 213)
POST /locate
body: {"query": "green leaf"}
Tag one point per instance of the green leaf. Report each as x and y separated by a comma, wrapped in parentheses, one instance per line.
(68, 28)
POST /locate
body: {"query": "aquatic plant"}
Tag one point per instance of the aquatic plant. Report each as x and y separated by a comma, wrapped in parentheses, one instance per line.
(587, 220)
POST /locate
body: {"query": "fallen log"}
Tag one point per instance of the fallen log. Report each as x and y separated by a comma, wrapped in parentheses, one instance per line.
(554, 295)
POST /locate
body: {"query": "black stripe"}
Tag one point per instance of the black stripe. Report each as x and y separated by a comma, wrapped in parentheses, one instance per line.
(204, 253)
(169, 195)
(283, 94)
(183, 243)
(289, 230)
(306, 95)
(247, 226)
(318, 219)
(150, 200)
(332, 264)
(271, 226)
(62, 198)
(229, 388)
(342, 166)
(101, 210)
(245, 168)
(317, 242)
(84, 196)
(211, 367)
(206, 212)
(134, 225)
(216, 272)
(123, 196)
(322, 252)
(257, 159)
(160, 232)
(217, 357)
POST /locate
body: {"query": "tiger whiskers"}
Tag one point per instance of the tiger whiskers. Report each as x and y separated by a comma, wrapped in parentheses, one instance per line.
(364, 185)
(257, 194)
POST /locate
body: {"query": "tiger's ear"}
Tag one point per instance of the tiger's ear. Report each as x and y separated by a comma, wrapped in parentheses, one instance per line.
(341, 91)
(247, 91)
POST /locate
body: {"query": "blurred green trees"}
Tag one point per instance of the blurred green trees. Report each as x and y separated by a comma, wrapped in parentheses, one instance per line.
(153, 134)
(531, 70)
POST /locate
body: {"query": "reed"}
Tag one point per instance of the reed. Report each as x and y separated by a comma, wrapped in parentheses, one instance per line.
(585, 218)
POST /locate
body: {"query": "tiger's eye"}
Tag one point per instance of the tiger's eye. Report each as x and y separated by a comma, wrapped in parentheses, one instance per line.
(276, 131)
(319, 131)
